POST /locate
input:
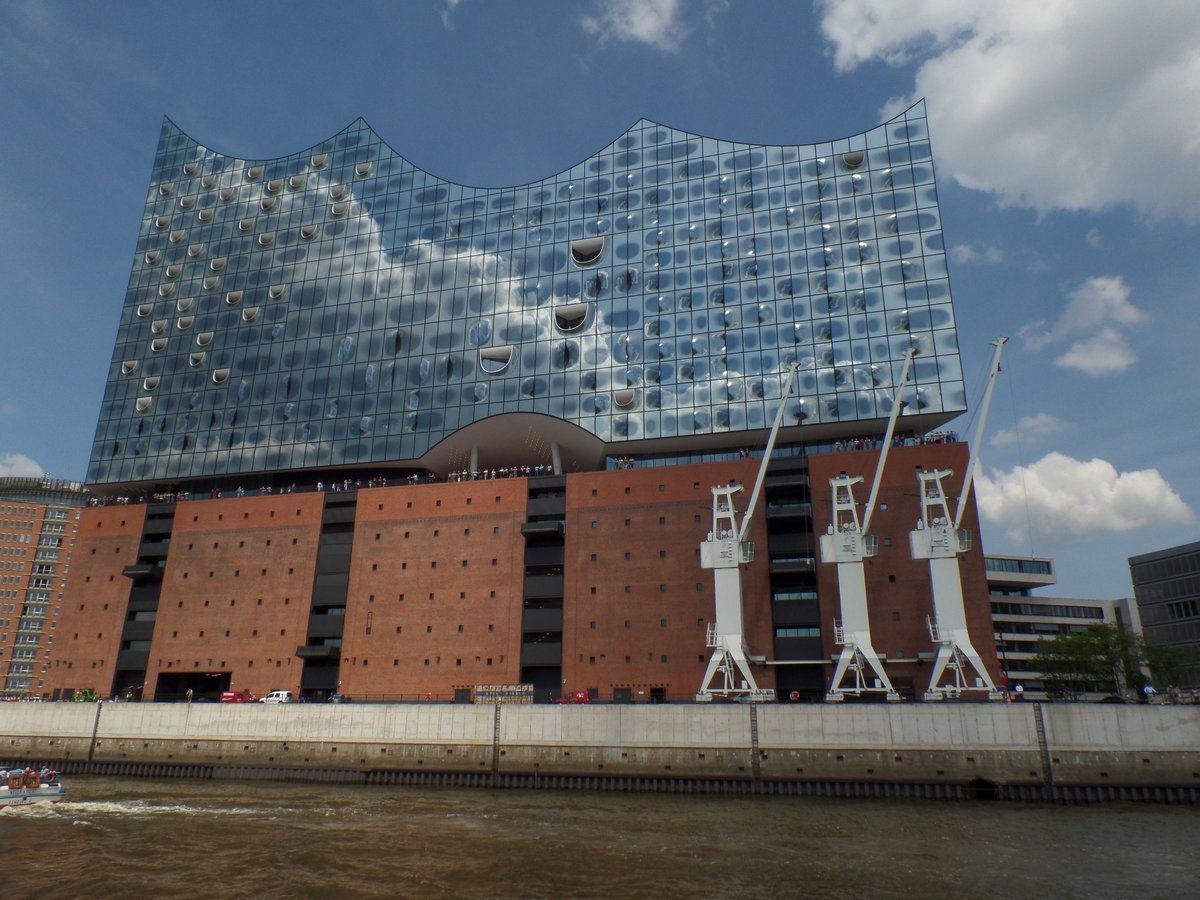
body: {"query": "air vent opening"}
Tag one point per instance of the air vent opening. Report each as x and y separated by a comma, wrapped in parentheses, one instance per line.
(571, 317)
(587, 251)
(495, 360)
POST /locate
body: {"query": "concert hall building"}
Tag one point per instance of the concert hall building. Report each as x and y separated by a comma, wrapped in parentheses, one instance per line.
(371, 432)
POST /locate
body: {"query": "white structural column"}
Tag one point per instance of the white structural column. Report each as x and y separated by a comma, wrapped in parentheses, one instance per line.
(937, 540)
(725, 551)
(846, 545)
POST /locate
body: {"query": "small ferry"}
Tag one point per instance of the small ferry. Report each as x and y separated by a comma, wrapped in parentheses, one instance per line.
(24, 787)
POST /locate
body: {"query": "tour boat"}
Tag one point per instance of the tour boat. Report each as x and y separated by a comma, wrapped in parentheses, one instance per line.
(24, 787)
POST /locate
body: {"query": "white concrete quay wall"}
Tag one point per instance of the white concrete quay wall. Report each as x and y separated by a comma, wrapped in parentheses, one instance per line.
(974, 726)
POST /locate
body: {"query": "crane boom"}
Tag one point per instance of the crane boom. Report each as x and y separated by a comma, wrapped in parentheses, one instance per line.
(983, 414)
(887, 441)
(788, 384)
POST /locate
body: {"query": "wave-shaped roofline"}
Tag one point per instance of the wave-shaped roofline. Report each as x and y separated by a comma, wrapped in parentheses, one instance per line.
(168, 121)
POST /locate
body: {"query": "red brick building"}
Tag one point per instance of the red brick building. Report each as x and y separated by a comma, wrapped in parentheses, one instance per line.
(585, 582)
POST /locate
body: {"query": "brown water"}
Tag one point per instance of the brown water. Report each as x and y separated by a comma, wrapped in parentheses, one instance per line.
(134, 838)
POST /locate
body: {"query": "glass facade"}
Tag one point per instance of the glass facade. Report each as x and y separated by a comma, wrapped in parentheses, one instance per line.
(339, 307)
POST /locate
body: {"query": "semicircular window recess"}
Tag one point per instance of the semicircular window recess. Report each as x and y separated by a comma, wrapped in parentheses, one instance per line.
(177, 237)
(129, 366)
(337, 191)
(189, 168)
(158, 326)
(254, 173)
(195, 250)
(166, 290)
(217, 263)
(626, 399)
(187, 202)
(158, 345)
(339, 209)
(151, 257)
(205, 215)
(296, 182)
(211, 282)
(250, 313)
(162, 223)
(226, 194)
(220, 376)
(142, 404)
(318, 160)
(173, 271)
(204, 338)
(571, 317)
(266, 239)
(196, 360)
(495, 360)
(166, 187)
(233, 298)
(208, 180)
(275, 291)
(852, 159)
(246, 225)
(308, 232)
(183, 323)
(362, 169)
(150, 383)
(587, 251)
(267, 204)
(274, 186)
(144, 310)
(183, 304)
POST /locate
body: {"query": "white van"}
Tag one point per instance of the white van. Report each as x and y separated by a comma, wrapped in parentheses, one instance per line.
(278, 697)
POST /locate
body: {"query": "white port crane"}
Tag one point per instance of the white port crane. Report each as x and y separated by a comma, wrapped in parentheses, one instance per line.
(939, 539)
(846, 543)
(725, 551)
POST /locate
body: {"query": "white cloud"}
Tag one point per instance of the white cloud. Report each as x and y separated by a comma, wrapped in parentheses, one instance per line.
(1059, 496)
(1078, 106)
(1035, 426)
(1095, 317)
(448, 7)
(654, 22)
(18, 465)
(969, 253)
(1094, 237)
(1105, 353)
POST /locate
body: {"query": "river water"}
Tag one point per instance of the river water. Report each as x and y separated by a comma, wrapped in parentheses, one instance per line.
(133, 838)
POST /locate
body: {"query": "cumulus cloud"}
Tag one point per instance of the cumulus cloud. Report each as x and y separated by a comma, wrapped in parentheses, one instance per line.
(654, 22)
(969, 253)
(1047, 105)
(1095, 320)
(18, 465)
(1059, 496)
(1036, 426)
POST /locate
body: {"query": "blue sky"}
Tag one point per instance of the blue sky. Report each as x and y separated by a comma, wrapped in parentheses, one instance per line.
(1066, 142)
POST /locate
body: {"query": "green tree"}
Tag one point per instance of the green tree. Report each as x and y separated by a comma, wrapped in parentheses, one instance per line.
(1102, 658)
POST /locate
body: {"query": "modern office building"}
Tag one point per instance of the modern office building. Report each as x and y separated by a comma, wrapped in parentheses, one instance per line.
(1166, 585)
(39, 518)
(400, 436)
(1021, 620)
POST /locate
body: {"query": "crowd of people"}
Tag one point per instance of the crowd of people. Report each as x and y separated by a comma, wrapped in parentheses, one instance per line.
(502, 472)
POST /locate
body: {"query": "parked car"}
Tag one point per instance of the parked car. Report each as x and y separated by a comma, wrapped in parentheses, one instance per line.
(237, 697)
(278, 697)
